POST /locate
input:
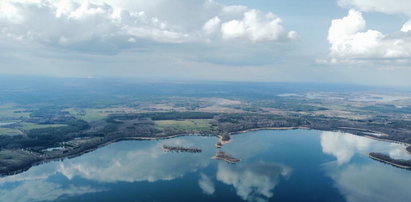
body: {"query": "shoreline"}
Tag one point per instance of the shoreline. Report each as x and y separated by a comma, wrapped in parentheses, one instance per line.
(119, 139)
(386, 140)
(268, 128)
(389, 162)
(76, 154)
(408, 150)
(333, 130)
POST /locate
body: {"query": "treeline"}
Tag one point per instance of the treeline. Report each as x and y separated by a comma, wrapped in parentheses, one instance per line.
(289, 105)
(162, 116)
(142, 124)
(398, 130)
(388, 108)
(244, 121)
(49, 115)
(38, 139)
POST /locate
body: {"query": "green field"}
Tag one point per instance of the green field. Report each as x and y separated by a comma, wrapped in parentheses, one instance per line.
(29, 126)
(26, 127)
(10, 131)
(10, 111)
(88, 114)
(188, 125)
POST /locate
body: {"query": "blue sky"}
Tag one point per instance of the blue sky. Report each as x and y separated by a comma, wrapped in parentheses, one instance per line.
(327, 41)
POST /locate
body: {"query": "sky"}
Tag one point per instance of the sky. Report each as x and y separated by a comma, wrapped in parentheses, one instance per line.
(324, 41)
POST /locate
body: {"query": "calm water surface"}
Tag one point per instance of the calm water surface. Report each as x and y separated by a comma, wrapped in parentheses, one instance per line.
(293, 165)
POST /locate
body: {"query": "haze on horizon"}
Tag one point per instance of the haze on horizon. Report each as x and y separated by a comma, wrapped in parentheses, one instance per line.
(339, 41)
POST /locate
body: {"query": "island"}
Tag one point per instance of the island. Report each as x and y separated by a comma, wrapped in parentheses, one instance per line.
(225, 157)
(168, 148)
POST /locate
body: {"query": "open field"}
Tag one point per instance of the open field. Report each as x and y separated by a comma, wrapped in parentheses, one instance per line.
(10, 111)
(95, 114)
(10, 131)
(30, 126)
(88, 114)
(186, 125)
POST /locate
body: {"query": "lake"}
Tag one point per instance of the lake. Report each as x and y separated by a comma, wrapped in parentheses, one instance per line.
(276, 165)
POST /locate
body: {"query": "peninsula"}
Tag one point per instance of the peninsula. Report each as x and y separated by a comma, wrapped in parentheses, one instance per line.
(387, 159)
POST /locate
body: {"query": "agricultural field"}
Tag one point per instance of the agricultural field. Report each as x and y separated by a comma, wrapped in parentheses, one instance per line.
(10, 131)
(95, 114)
(88, 114)
(185, 125)
(29, 126)
(12, 112)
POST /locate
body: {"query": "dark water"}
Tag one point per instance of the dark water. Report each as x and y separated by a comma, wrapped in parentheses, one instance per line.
(294, 165)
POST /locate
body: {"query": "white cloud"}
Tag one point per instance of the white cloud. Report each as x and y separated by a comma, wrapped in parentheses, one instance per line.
(350, 40)
(83, 25)
(114, 25)
(406, 27)
(212, 25)
(383, 6)
(255, 27)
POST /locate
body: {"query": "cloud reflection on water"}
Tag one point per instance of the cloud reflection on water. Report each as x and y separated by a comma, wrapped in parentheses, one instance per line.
(253, 181)
(344, 146)
(372, 182)
(206, 184)
(135, 165)
(120, 162)
(369, 180)
(43, 191)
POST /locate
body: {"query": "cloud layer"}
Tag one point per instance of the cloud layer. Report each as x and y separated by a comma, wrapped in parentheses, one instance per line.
(383, 6)
(115, 25)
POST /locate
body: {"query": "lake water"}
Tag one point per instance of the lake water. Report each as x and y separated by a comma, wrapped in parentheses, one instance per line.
(291, 165)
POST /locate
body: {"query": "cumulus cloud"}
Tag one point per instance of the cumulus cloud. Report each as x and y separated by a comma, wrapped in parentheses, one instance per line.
(212, 25)
(351, 42)
(115, 25)
(350, 39)
(255, 27)
(83, 25)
